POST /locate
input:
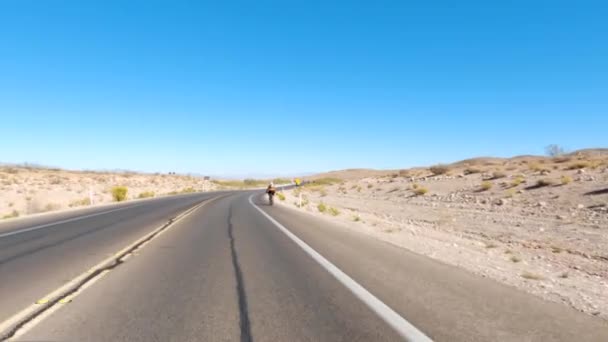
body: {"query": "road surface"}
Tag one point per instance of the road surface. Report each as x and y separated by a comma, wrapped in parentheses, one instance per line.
(228, 272)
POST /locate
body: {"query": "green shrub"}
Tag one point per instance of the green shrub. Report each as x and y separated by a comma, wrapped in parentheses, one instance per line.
(281, 196)
(485, 186)
(420, 191)
(119, 193)
(322, 207)
(439, 169)
(146, 194)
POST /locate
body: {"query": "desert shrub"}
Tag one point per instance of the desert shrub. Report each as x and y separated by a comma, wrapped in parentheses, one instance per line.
(517, 181)
(510, 193)
(333, 211)
(532, 276)
(119, 193)
(439, 169)
(420, 191)
(498, 175)
(322, 192)
(80, 202)
(369, 186)
(485, 186)
(281, 181)
(322, 207)
(515, 259)
(188, 190)
(172, 193)
(471, 170)
(356, 218)
(578, 165)
(554, 150)
(52, 207)
(12, 214)
(404, 173)
(327, 181)
(146, 194)
(415, 186)
(358, 189)
(281, 196)
(565, 179)
(544, 182)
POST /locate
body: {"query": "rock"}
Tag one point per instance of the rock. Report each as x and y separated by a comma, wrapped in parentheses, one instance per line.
(541, 229)
(541, 204)
(560, 217)
(580, 206)
(500, 201)
(580, 171)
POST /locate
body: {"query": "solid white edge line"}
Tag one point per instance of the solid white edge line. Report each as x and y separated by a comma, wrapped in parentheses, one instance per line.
(25, 230)
(388, 315)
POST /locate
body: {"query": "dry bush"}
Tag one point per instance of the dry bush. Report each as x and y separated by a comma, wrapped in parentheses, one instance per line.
(515, 259)
(52, 207)
(566, 180)
(517, 181)
(544, 182)
(439, 169)
(80, 202)
(404, 173)
(485, 186)
(579, 165)
(471, 170)
(532, 276)
(281, 196)
(333, 211)
(498, 175)
(146, 194)
(322, 207)
(12, 214)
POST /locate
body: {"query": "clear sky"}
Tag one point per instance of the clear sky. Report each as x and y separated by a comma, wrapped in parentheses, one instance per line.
(259, 87)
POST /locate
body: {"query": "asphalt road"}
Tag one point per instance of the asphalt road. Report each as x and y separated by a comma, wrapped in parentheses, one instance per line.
(227, 273)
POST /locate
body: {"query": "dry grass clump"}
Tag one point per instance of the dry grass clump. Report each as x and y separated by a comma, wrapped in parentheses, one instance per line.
(12, 214)
(333, 211)
(579, 165)
(80, 202)
(532, 276)
(146, 194)
(485, 186)
(322, 207)
(498, 175)
(566, 180)
(515, 259)
(517, 181)
(281, 196)
(471, 170)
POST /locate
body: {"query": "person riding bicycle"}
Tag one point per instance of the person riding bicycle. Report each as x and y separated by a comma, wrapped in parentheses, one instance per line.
(271, 191)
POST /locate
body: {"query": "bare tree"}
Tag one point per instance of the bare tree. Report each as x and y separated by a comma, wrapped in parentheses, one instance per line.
(554, 150)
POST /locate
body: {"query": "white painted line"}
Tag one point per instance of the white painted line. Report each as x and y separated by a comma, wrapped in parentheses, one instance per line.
(25, 230)
(388, 315)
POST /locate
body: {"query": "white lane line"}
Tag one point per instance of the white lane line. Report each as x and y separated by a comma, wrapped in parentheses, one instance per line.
(25, 230)
(388, 315)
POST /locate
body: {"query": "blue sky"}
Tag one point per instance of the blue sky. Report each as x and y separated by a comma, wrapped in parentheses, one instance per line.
(261, 87)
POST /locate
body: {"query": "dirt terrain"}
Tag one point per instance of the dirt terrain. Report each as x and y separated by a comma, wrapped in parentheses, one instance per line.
(536, 223)
(29, 190)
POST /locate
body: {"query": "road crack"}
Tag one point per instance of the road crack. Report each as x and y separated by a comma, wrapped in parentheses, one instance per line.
(240, 285)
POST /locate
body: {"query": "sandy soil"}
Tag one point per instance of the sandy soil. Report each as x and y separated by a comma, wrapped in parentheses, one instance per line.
(548, 238)
(25, 191)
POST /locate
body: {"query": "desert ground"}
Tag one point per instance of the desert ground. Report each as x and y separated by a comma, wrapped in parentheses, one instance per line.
(26, 190)
(536, 223)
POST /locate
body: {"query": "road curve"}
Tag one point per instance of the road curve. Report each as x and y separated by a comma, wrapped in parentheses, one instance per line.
(226, 272)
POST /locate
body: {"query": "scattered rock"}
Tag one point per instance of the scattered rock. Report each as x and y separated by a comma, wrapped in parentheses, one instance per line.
(580, 206)
(541, 204)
